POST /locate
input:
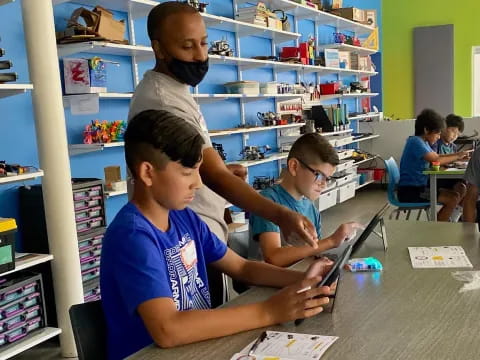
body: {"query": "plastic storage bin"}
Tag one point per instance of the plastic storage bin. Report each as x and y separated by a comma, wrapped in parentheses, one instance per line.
(243, 87)
(346, 192)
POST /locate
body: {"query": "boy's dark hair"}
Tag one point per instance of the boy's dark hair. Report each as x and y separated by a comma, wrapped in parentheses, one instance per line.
(158, 136)
(455, 121)
(429, 120)
(313, 147)
(161, 12)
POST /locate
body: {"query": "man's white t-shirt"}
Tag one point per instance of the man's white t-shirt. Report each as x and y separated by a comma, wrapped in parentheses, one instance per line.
(158, 91)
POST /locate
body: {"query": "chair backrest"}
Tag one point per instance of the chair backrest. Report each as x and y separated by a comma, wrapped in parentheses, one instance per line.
(89, 330)
(393, 179)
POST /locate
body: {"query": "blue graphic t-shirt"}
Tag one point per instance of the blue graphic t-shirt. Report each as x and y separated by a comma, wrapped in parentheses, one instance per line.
(140, 262)
(413, 162)
(443, 148)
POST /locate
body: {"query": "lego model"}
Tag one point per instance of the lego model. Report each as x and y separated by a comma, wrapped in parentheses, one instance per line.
(221, 152)
(220, 47)
(262, 182)
(201, 7)
(254, 152)
(268, 118)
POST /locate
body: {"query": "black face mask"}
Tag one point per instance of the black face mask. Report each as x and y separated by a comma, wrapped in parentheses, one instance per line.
(190, 73)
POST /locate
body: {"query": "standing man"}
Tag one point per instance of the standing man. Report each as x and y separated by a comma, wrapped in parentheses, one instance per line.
(179, 41)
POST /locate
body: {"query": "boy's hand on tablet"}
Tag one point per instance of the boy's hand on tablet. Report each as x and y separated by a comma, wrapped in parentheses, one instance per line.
(344, 232)
(298, 301)
(319, 267)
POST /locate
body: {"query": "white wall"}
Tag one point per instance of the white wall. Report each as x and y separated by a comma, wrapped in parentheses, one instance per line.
(393, 135)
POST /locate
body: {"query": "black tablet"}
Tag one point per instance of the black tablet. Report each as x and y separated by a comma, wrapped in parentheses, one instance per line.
(334, 273)
(369, 229)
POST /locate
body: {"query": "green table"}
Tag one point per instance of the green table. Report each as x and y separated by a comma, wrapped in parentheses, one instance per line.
(451, 173)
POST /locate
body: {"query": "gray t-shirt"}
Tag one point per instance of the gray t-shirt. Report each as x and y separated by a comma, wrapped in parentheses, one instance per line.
(161, 92)
(472, 174)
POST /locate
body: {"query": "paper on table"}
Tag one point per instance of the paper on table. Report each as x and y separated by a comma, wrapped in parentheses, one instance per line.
(438, 257)
(289, 346)
(453, 169)
(84, 104)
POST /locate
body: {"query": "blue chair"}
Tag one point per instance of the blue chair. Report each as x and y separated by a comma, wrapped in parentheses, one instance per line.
(393, 178)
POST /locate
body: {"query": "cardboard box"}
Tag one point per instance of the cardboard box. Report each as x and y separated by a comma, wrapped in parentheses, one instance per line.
(337, 4)
(108, 27)
(371, 18)
(351, 13)
(332, 58)
(274, 23)
(112, 174)
(344, 59)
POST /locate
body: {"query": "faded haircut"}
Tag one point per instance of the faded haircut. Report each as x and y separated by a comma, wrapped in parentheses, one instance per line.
(158, 136)
(313, 148)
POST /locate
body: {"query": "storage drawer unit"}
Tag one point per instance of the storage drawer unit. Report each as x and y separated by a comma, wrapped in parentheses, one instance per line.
(327, 200)
(90, 249)
(346, 192)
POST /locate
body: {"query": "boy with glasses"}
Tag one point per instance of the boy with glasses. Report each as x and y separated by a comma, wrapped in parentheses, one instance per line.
(311, 162)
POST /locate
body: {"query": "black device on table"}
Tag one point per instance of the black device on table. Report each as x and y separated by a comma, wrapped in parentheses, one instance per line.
(333, 274)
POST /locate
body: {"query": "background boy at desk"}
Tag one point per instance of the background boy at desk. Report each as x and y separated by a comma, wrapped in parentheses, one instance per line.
(416, 158)
(311, 161)
(155, 252)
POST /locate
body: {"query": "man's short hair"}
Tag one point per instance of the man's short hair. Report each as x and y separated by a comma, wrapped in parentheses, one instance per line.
(313, 148)
(455, 121)
(429, 120)
(158, 15)
(158, 136)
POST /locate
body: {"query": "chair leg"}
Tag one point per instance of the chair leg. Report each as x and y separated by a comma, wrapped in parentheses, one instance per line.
(408, 214)
(428, 214)
(419, 214)
(398, 214)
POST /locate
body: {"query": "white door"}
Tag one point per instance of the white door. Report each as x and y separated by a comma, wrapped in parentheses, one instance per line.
(476, 81)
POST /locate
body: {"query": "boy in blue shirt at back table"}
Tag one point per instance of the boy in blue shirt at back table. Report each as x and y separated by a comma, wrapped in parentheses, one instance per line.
(311, 161)
(155, 252)
(416, 158)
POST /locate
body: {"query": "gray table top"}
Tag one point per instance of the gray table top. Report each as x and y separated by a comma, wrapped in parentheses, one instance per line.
(400, 313)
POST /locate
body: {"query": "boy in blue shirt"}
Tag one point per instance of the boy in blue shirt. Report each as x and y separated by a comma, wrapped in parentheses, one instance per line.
(311, 161)
(155, 253)
(416, 158)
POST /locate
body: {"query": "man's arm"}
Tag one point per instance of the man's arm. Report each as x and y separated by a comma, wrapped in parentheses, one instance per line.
(217, 177)
(470, 204)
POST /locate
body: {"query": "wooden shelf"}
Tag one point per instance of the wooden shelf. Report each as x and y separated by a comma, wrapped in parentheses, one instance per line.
(14, 89)
(22, 177)
(34, 338)
(77, 149)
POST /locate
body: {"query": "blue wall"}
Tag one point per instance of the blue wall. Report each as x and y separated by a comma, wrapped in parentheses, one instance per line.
(17, 132)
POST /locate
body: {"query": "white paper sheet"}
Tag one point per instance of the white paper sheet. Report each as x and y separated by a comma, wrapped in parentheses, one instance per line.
(439, 257)
(289, 346)
(84, 104)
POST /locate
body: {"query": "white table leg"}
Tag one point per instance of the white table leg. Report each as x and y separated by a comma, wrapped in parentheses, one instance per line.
(433, 197)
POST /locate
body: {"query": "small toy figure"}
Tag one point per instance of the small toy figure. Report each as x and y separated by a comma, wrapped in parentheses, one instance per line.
(3, 168)
(221, 152)
(201, 7)
(262, 182)
(339, 38)
(311, 50)
(220, 47)
(254, 152)
(104, 132)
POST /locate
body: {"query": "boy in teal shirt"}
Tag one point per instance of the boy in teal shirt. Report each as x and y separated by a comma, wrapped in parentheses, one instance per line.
(311, 162)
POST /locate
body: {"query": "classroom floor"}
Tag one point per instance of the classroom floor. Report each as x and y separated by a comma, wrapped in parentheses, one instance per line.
(361, 209)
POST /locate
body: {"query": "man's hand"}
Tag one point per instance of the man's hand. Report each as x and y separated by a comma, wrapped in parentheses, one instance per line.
(238, 170)
(293, 302)
(344, 232)
(297, 229)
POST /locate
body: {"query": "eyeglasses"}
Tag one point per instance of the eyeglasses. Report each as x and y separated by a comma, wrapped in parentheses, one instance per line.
(319, 176)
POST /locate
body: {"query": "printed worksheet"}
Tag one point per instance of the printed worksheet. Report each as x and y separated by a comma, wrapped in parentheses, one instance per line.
(439, 257)
(288, 346)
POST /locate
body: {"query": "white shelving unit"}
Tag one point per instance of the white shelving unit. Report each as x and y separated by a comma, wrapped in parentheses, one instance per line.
(366, 116)
(252, 129)
(4, 2)
(22, 177)
(24, 261)
(14, 89)
(142, 53)
(364, 184)
(345, 47)
(36, 337)
(115, 193)
(269, 158)
(77, 149)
